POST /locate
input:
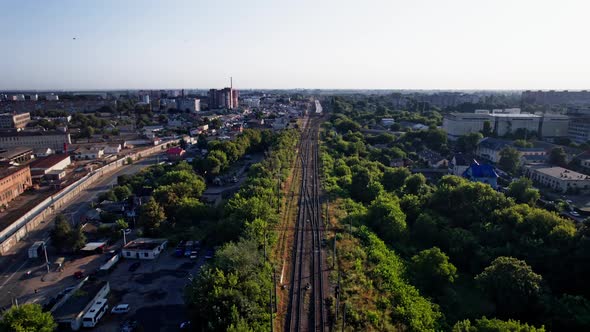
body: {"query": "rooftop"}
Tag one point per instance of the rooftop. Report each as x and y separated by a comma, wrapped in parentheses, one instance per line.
(79, 300)
(14, 152)
(563, 173)
(47, 162)
(7, 171)
(144, 244)
(14, 133)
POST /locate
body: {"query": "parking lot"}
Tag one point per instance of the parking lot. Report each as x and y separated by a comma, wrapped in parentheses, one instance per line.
(154, 292)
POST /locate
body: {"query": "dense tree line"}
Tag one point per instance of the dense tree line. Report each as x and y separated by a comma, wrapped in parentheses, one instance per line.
(232, 292)
(467, 248)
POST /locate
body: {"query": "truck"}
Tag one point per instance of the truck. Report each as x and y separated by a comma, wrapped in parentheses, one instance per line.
(36, 250)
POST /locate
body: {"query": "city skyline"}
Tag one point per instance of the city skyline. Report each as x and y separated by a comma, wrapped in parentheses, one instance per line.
(455, 45)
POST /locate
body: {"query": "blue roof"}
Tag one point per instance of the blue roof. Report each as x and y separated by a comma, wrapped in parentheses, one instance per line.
(480, 171)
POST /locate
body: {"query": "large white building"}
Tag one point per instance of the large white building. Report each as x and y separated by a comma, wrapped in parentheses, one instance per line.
(190, 104)
(506, 121)
(558, 178)
(56, 140)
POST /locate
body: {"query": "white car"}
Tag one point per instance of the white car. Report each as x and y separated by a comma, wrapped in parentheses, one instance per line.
(120, 309)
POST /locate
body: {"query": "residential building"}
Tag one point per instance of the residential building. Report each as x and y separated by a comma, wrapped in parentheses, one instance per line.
(554, 125)
(144, 248)
(18, 97)
(224, 98)
(552, 97)
(55, 140)
(112, 149)
(252, 102)
(433, 159)
(188, 104)
(558, 178)
(52, 97)
(34, 97)
(387, 122)
(489, 148)
(579, 129)
(86, 153)
(459, 164)
(482, 173)
(16, 156)
(14, 120)
(13, 182)
(175, 153)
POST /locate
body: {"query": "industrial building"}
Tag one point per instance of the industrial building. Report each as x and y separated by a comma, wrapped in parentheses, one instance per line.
(56, 140)
(144, 248)
(13, 182)
(14, 120)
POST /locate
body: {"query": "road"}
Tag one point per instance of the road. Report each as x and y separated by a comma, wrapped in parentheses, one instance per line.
(15, 264)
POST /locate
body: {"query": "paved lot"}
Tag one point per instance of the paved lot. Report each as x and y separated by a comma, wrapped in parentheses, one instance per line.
(154, 292)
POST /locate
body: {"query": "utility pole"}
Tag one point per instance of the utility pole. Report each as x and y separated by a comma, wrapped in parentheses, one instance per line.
(274, 276)
(124, 238)
(46, 259)
(343, 317)
(271, 316)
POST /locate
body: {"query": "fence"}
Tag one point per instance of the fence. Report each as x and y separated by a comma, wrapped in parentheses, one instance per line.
(44, 210)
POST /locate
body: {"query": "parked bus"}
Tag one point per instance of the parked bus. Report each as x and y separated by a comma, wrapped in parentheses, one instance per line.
(95, 313)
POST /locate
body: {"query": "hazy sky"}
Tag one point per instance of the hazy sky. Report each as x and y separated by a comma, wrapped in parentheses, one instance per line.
(391, 44)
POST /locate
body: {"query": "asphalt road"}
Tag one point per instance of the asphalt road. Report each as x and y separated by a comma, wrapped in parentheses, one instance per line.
(16, 263)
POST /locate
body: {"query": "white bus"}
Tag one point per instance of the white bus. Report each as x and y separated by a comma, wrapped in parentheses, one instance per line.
(95, 313)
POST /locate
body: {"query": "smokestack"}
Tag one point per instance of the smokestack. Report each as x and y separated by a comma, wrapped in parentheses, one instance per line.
(231, 82)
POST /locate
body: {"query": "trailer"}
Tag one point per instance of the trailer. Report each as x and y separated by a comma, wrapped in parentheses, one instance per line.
(36, 250)
(108, 266)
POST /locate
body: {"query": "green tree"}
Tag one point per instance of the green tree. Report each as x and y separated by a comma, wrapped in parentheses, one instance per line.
(487, 128)
(509, 160)
(511, 284)
(432, 270)
(468, 143)
(61, 232)
(557, 156)
(523, 192)
(28, 317)
(151, 217)
(122, 193)
(394, 178)
(415, 184)
(77, 239)
(387, 219)
(494, 325)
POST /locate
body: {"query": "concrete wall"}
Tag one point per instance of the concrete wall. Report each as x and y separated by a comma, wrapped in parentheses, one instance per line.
(43, 211)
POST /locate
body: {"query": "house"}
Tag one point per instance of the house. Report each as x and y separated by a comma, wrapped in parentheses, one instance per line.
(433, 159)
(482, 173)
(558, 178)
(459, 164)
(397, 162)
(144, 248)
(86, 153)
(112, 149)
(175, 153)
(489, 148)
(237, 128)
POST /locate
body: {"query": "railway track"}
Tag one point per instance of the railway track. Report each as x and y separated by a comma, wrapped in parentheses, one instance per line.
(306, 310)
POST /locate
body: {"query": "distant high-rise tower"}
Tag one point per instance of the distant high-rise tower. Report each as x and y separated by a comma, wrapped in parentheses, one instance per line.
(224, 98)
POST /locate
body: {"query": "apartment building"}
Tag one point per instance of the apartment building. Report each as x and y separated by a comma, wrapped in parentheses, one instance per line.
(14, 120)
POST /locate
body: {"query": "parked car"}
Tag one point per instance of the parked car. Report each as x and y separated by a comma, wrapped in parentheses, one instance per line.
(134, 266)
(194, 254)
(120, 309)
(78, 274)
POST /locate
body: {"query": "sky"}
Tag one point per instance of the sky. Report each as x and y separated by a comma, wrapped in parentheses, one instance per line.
(324, 44)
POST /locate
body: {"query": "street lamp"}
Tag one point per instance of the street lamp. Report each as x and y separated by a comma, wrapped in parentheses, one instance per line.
(46, 259)
(124, 237)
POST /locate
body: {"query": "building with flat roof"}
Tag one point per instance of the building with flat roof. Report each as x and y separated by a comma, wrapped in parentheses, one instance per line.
(144, 248)
(579, 129)
(188, 104)
(14, 120)
(70, 310)
(56, 140)
(503, 122)
(43, 166)
(13, 182)
(16, 156)
(558, 178)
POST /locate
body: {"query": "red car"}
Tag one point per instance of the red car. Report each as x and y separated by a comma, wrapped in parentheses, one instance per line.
(78, 274)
